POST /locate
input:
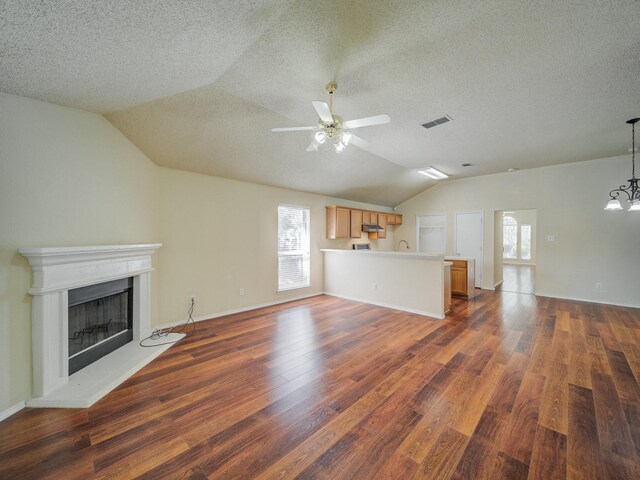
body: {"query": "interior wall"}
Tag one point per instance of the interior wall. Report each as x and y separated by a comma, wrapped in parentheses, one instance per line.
(220, 235)
(579, 246)
(525, 217)
(497, 249)
(67, 178)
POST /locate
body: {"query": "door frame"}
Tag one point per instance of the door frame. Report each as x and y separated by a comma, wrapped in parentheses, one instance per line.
(455, 239)
(418, 215)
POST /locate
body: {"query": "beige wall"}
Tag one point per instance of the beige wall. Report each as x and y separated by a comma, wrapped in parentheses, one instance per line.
(69, 177)
(592, 246)
(66, 178)
(220, 235)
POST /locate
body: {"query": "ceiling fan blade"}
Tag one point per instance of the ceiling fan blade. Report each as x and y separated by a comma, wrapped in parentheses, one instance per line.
(323, 111)
(291, 129)
(359, 142)
(313, 147)
(368, 121)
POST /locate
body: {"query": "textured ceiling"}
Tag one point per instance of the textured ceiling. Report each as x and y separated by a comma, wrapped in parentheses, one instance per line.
(198, 85)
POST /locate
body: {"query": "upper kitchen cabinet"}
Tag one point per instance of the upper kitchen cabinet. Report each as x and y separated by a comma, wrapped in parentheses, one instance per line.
(356, 223)
(394, 219)
(382, 222)
(338, 222)
(343, 222)
(397, 219)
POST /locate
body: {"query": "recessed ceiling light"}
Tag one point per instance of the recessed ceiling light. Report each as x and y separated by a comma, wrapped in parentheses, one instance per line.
(433, 173)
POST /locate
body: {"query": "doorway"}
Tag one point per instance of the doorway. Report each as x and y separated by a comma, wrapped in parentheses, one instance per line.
(468, 240)
(518, 239)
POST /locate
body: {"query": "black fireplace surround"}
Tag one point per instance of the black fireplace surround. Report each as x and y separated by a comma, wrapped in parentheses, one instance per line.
(100, 321)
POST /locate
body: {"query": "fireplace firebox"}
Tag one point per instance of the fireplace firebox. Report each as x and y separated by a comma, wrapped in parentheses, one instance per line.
(100, 321)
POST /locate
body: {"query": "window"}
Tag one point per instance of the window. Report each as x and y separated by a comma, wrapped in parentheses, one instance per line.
(510, 237)
(294, 261)
(432, 233)
(525, 242)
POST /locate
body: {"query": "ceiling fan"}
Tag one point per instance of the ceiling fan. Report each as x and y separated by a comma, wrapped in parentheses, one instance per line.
(331, 127)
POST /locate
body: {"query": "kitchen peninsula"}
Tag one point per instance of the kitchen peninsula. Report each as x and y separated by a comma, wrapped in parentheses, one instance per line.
(413, 282)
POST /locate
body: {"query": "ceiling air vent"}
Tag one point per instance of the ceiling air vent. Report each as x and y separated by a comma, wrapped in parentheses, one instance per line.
(437, 121)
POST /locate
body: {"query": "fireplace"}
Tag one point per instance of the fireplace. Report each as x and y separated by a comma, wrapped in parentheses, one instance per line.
(100, 321)
(87, 300)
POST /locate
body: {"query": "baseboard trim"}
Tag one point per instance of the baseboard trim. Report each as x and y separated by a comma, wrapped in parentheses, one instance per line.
(11, 410)
(499, 283)
(587, 300)
(209, 316)
(387, 305)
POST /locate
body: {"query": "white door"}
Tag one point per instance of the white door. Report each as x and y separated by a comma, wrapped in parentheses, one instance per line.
(469, 240)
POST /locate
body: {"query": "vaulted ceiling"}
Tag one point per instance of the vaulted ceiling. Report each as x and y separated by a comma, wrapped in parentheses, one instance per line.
(198, 85)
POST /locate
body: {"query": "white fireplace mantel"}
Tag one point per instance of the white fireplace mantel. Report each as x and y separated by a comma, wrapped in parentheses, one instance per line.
(63, 268)
(56, 270)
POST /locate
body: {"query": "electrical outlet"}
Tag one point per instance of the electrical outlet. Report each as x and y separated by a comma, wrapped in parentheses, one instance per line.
(598, 285)
(193, 298)
(241, 292)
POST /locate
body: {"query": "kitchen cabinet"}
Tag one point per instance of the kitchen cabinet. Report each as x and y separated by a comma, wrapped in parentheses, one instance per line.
(462, 277)
(338, 222)
(382, 221)
(356, 223)
(343, 222)
(393, 219)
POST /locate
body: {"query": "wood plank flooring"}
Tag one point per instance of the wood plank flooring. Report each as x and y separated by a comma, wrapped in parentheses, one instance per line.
(518, 278)
(508, 386)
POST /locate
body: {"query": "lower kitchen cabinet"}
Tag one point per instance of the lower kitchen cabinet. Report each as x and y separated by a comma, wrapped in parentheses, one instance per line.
(462, 277)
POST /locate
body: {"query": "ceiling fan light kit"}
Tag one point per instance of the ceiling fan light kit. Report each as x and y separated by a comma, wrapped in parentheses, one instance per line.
(633, 189)
(332, 126)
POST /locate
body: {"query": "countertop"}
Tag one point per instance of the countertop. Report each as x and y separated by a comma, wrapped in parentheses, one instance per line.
(403, 255)
(468, 259)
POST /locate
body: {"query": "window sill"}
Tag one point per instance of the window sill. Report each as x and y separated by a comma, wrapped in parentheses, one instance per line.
(285, 290)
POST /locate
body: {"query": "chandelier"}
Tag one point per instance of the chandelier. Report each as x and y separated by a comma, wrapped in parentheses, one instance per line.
(632, 191)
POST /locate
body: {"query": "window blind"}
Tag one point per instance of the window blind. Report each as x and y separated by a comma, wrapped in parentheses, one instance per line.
(294, 260)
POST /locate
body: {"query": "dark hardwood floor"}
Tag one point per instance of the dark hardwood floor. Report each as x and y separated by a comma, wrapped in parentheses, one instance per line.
(518, 278)
(508, 386)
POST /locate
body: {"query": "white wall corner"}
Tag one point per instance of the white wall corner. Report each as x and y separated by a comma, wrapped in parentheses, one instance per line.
(11, 410)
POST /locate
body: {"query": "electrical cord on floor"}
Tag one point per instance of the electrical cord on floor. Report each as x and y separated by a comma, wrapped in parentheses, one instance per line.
(164, 332)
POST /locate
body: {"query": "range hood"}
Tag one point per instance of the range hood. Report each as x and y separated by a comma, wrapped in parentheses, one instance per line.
(372, 228)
